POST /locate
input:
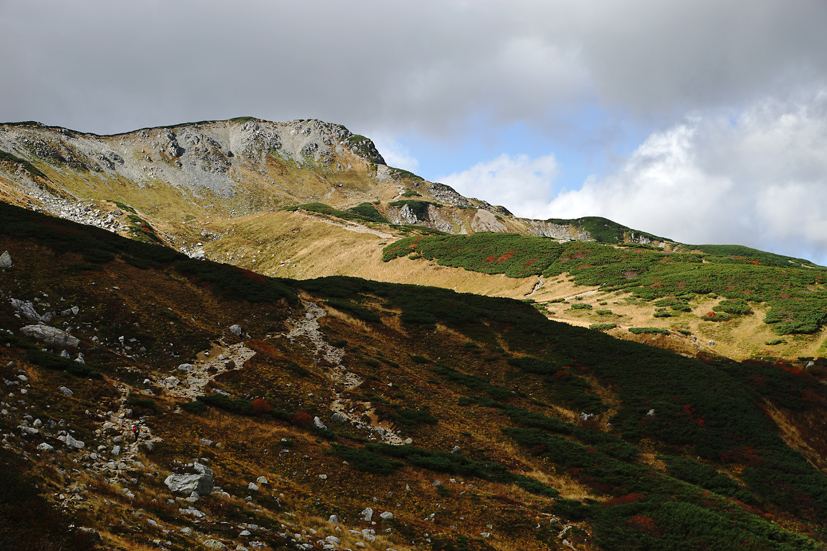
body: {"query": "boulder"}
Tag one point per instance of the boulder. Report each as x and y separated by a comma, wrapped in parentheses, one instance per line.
(5, 260)
(235, 330)
(50, 335)
(202, 482)
(65, 391)
(366, 514)
(70, 441)
(387, 515)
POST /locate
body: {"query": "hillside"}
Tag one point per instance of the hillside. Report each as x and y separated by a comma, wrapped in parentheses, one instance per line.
(307, 199)
(348, 413)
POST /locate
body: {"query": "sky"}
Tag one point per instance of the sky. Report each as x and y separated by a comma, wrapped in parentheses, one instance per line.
(698, 120)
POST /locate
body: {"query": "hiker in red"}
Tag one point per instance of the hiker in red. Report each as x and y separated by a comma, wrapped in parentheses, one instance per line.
(136, 430)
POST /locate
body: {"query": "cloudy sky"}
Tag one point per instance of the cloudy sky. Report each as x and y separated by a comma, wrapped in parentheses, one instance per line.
(700, 120)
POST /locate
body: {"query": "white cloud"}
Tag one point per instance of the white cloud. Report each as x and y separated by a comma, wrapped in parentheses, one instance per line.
(521, 184)
(395, 153)
(758, 178)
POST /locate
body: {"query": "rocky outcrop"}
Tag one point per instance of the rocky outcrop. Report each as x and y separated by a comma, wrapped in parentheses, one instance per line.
(50, 335)
(200, 482)
(543, 228)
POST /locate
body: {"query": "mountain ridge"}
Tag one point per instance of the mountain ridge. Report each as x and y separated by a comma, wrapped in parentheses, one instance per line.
(305, 199)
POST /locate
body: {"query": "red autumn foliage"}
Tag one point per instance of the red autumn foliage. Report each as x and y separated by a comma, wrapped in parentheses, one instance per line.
(506, 256)
(645, 524)
(301, 419)
(260, 405)
(252, 275)
(623, 500)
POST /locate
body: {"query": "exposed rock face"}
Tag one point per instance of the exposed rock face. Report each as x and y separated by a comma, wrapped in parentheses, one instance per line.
(446, 194)
(557, 231)
(196, 159)
(486, 221)
(50, 335)
(202, 482)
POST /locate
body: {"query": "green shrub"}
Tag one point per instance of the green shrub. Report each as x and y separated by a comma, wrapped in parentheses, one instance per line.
(602, 326)
(650, 330)
(581, 306)
(354, 309)
(136, 401)
(366, 460)
(735, 307)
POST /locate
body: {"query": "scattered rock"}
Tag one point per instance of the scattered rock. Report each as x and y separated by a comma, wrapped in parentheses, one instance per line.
(235, 330)
(455, 449)
(252, 486)
(65, 391)
(5, 260)
(192, 511)
(318, 423)
(27, 310)
(366, 514)
(44, 447)
(387, 515)
(262, 480)
(214, 544)
(333, 519)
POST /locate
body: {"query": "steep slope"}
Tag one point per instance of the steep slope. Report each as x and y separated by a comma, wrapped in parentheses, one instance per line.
(418, 417)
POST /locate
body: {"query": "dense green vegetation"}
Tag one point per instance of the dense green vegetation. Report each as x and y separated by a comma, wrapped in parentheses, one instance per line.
(794, 291)
(364, 212)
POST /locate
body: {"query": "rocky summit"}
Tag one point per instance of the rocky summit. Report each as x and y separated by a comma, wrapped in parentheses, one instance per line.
(252, 335)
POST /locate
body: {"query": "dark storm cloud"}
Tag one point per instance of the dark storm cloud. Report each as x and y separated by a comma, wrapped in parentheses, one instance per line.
(109, 66)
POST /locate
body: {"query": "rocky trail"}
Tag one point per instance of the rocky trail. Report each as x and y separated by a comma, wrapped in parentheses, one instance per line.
(308, 328)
